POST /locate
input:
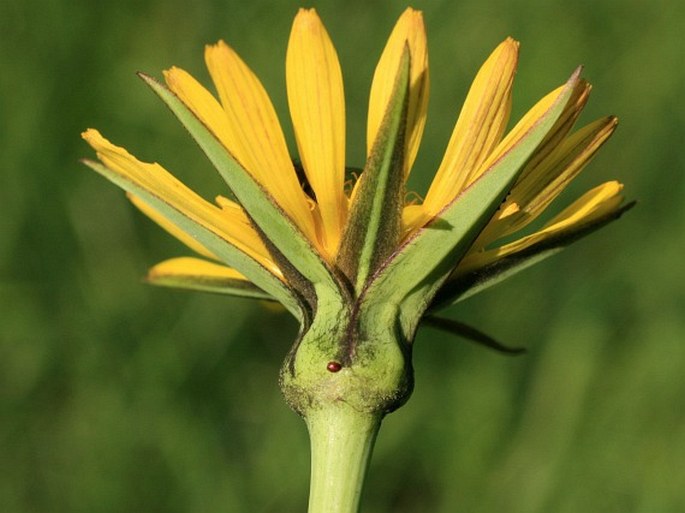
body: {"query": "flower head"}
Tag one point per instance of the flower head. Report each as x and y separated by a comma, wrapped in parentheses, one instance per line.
(309, 240)
(357, 264)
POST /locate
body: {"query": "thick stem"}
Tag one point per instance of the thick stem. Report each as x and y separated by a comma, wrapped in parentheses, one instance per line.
(341, 443)
(342, 377)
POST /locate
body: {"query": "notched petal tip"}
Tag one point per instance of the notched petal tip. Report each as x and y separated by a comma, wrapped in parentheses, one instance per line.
(104, 149)
(510, 44)
(219, 44)
(504, 57)
(608, 126)
(172, 75)
(212, 50)
(411, 10)
(307, 17)
(413, 19)
(511, 41)
(91, 135)
(218, 52)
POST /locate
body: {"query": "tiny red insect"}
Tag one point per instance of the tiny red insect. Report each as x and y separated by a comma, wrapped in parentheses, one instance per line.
(333, 366)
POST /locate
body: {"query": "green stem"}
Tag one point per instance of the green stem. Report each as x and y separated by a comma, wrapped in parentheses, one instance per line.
(341, 443)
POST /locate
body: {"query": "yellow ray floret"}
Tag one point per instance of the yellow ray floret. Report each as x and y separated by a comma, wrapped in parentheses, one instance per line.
(193, 269)
(196, 274)
(153, 178)
(244, 121)
(188, 267)
(546, 180)
(593, 205)
(479, 128)
(317, 108)
(248, 128)
(545, 177)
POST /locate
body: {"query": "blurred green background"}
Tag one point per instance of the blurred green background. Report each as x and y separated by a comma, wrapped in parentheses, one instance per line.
(119, 397)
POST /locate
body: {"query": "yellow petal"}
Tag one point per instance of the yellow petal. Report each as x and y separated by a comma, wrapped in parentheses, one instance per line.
(203, 105)
(317, 108)
(561, 128)
(593, 205)
(197, 274)
(193, 267)
(533, 116)
(248, 128)
(170, 227)
(479, 129)
(543, 181)
(257, 137)
(235, 229)
(409, 30)
(412, 216)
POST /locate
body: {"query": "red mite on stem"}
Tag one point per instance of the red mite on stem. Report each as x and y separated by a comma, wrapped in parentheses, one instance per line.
(333, 366)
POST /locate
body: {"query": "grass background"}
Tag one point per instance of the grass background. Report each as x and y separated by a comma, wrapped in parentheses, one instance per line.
(120, 397)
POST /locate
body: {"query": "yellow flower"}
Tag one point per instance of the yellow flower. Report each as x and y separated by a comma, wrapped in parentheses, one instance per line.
(357, 264)
(318, 204)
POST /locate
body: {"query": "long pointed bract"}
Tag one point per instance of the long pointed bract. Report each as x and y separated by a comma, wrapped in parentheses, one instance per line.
(373, 229)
